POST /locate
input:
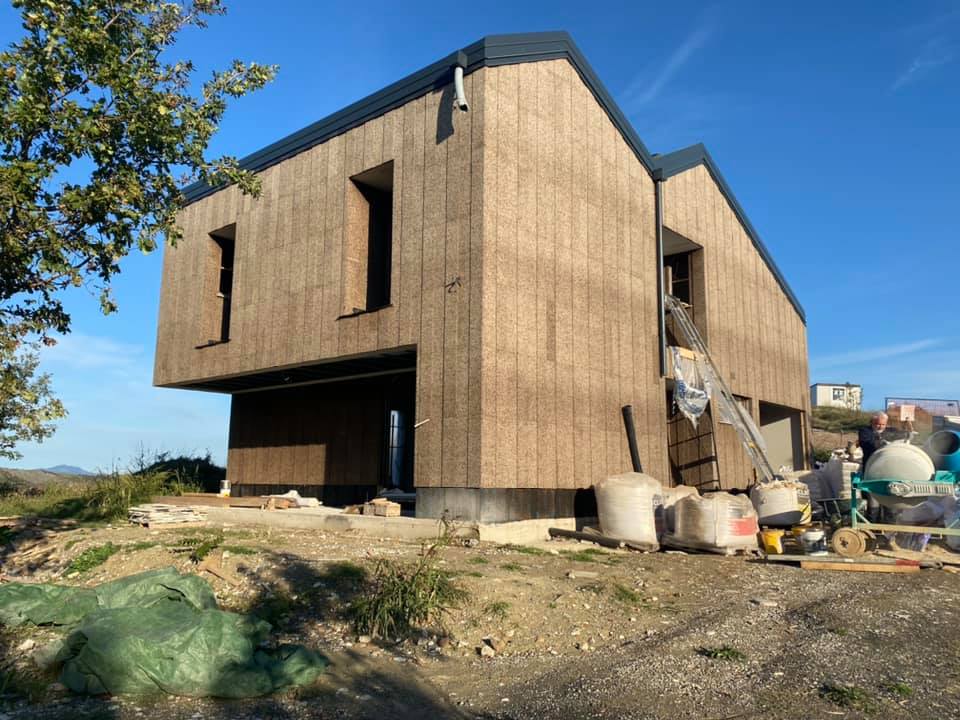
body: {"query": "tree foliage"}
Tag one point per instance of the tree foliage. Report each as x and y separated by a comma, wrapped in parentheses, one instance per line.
(27, 406)
(99, 129)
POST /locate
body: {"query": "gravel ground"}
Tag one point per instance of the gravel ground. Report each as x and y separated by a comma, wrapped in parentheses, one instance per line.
(611, 634)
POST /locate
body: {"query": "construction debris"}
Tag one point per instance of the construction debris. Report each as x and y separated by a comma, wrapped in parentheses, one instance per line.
(382, 507)
(162, 514)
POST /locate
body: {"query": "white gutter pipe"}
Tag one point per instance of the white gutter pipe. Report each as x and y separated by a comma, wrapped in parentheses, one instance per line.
(461, 96)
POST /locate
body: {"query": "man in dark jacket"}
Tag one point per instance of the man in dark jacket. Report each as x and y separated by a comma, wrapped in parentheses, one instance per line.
(871, 438)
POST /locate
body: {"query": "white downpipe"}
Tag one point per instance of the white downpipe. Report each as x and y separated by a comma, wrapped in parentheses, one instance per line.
(461, 100)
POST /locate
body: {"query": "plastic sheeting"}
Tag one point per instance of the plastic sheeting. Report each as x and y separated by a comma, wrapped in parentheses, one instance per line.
(691, 391)
(158, 631)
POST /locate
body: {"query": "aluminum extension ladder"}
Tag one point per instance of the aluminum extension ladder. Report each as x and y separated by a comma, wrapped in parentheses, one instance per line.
(723, 398)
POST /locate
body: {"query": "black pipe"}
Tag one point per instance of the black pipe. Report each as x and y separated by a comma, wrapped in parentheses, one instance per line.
(661, 311)
(631, 437)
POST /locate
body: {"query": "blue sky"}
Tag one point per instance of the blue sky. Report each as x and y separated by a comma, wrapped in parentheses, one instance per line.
(836, 124)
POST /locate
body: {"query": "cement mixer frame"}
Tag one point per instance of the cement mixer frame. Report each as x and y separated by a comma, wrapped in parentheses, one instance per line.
(856, 538)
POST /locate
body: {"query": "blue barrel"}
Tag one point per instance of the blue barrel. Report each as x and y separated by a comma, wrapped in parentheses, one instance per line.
(944, 449)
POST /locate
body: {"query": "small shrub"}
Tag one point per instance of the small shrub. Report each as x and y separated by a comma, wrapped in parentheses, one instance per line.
(403, 596)
(93, 557)
(345, 574)
(6, 535)
(240, 550)
(900, 689)
(822, 454)
(513, 567)
(724, 652)
(848, 696)
(628, 596)
(497, 609)
(525, 550)
(205, 547)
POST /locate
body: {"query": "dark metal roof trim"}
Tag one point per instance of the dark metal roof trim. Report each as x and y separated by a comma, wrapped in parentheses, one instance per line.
(492, 51)
(682, 160)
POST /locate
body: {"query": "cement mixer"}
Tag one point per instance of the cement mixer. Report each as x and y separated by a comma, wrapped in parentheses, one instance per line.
(898, 476)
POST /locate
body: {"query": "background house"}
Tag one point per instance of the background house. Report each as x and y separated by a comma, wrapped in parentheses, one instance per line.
(842, 395)
(459, 303)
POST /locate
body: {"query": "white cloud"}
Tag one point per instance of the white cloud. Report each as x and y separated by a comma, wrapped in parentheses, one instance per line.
(868, 355)
(648, 84)
(934, 54)
(90, 352)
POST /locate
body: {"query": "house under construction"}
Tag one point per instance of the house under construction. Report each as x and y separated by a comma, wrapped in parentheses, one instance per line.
(455, 293)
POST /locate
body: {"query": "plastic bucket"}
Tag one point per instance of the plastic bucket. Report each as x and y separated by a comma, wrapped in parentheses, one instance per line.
(814, 542)
(771, 540)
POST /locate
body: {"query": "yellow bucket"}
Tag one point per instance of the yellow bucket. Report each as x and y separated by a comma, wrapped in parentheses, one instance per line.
(771, 541)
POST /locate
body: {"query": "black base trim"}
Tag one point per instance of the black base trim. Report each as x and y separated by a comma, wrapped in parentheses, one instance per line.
(493, 505)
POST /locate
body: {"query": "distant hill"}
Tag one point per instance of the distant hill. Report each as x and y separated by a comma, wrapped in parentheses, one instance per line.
(14, 478)
(67, 470)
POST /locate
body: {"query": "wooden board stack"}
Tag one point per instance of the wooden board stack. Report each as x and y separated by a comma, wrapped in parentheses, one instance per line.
(162, 514)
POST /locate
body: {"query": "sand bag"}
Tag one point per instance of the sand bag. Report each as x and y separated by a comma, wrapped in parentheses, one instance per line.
(717, 522)
(783, 503)
(665, 513)
(626, 506)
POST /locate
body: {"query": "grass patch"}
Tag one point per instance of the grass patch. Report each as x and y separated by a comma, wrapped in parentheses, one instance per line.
(345, 574)
(512, 567)
(498, 609)
(404, 596)
(525, 550)
(847, 696)
(627, 596)
(478, 560)
(240, 550)
(472, 573)
(590, 555)
(841, 631)
(137, 547)
(725, 652)
(93, 557)
(71, 543)
(205, 546)
(900, 689)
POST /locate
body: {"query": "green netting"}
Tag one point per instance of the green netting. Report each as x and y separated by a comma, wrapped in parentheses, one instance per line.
(158, 631)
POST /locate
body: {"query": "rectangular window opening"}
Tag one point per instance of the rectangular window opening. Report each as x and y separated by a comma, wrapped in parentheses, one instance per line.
(369, 250)
(678, 276)
(225, 239)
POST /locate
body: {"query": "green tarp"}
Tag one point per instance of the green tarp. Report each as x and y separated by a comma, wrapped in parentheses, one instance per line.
(158, 631)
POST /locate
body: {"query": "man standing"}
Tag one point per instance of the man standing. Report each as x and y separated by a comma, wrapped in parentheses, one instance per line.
(871, 438)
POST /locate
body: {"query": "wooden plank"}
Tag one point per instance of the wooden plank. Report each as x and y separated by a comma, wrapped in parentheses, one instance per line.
(858, 567)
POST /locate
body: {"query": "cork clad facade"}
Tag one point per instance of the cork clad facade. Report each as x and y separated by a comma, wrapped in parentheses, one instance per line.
(458, 303)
